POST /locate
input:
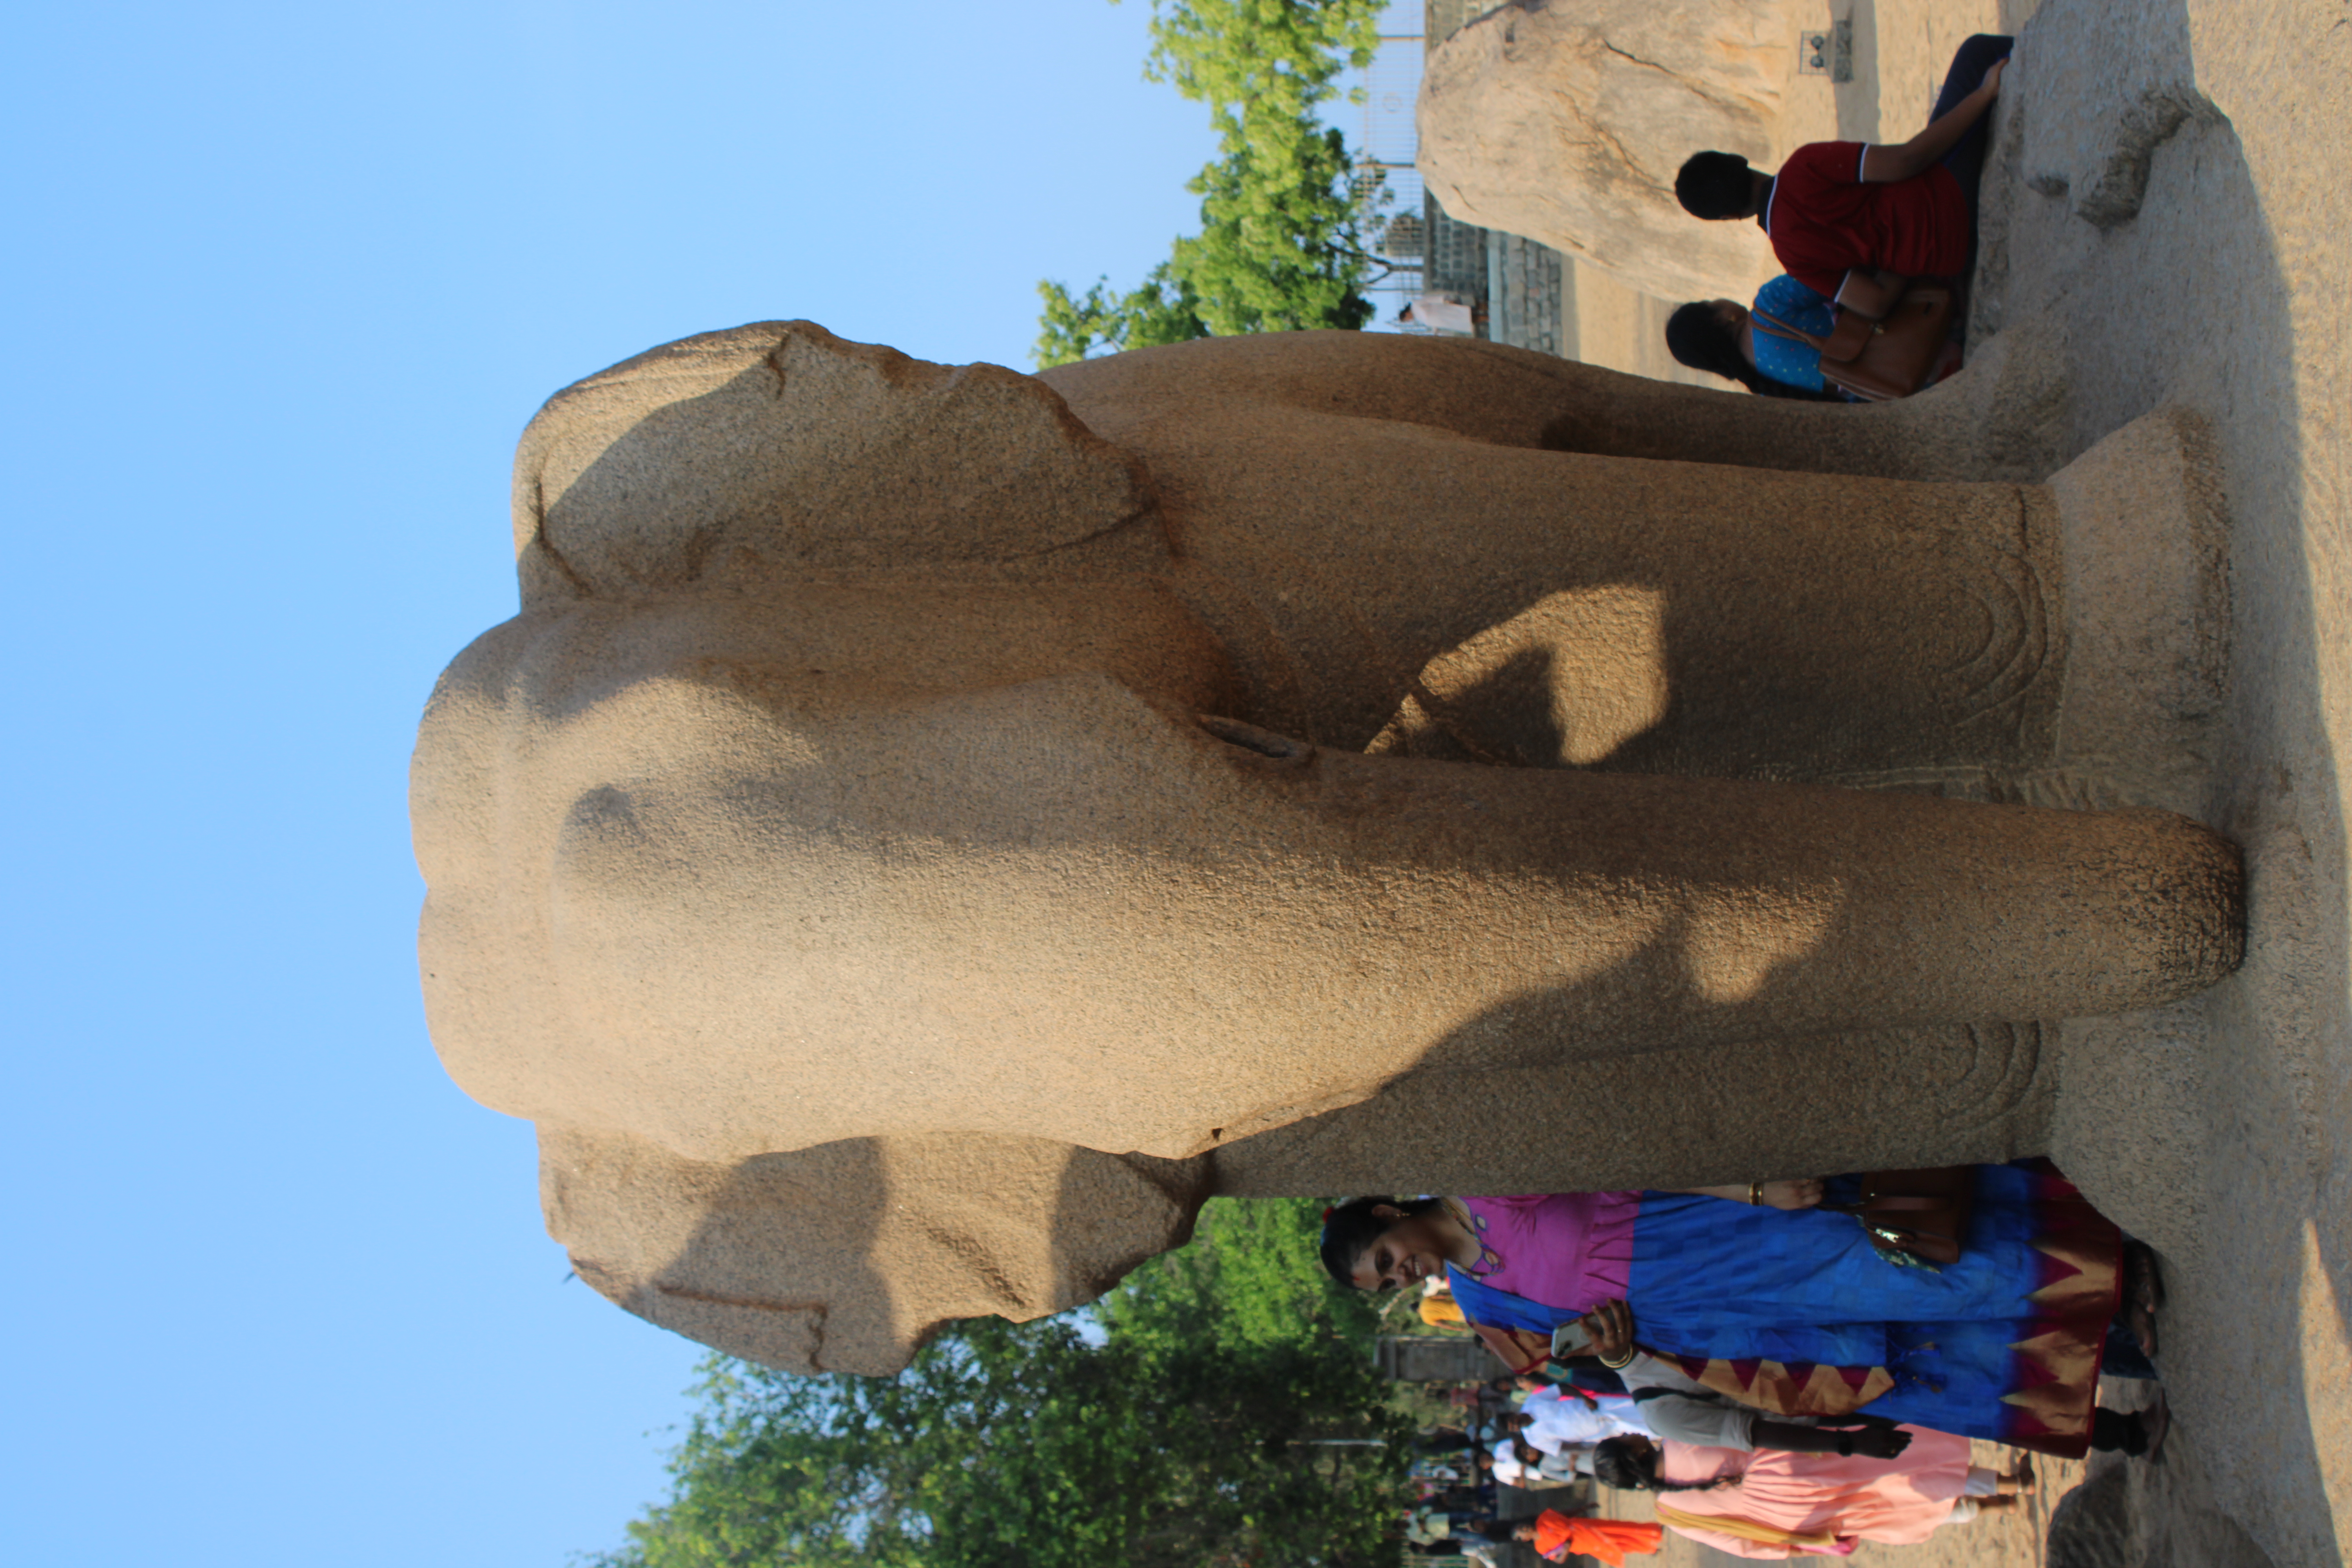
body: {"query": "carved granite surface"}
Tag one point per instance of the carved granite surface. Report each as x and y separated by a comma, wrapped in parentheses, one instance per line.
(1244, 757)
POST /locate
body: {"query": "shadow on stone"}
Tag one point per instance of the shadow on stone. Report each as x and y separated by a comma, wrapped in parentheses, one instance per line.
(2092, 1525)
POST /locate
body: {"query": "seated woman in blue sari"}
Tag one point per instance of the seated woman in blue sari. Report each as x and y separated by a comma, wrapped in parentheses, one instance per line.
(1718, 336)
(1758, 1294)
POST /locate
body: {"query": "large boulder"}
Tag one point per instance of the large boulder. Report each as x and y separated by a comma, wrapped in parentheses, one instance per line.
(1566, 124)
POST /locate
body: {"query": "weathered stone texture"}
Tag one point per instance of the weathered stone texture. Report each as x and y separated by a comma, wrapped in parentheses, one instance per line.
(965, 817)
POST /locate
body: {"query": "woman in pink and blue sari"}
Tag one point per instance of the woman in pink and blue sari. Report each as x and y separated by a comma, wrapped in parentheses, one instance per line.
(1761, 1296)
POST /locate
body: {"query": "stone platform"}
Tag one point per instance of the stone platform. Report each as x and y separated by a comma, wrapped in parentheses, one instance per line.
(2166, 221)
(2156, 222)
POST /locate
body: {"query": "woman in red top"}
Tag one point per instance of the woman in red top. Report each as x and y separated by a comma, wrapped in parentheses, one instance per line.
(1854, 223)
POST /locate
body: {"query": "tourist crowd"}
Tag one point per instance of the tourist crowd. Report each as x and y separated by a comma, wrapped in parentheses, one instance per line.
(1792, 1367)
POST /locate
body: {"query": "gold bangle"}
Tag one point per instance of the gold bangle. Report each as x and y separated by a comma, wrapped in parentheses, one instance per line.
(1620, 1362)
(1755, 1194)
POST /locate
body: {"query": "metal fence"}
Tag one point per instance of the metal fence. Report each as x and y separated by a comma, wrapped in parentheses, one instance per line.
(1378, 123)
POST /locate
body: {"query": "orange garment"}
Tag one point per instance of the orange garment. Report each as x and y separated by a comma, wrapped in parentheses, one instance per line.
(1609, 1539)
(1439, 1312)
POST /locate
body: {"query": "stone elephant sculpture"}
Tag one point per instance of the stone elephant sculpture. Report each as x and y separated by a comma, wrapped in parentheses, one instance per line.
(927, 827)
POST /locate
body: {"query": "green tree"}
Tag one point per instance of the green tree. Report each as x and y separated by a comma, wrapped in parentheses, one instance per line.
(1280, 245)
(1165, 309)
(1187, 1432)
(1250, 1277)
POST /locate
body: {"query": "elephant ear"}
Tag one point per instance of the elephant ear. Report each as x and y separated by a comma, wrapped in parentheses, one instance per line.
(780, 450)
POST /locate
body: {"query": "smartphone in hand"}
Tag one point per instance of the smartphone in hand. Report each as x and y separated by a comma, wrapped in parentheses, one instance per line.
(1571, 1338)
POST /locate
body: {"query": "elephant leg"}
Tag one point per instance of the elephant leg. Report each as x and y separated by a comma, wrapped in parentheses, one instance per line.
(1538, 609)
(1952, 1094)
(2002, 418)
(1616, 914)
(1772, 624)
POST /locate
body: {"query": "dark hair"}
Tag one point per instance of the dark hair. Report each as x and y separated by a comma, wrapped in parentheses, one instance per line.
(1500, 1529)
(1620, 1467)
(1697, 336)
(1714, 185)
(1351, 1226)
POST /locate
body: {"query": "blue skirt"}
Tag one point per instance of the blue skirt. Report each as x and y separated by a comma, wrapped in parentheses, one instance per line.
(1790, 1306)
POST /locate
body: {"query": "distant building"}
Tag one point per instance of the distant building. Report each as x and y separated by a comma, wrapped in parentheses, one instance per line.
(1406, 237)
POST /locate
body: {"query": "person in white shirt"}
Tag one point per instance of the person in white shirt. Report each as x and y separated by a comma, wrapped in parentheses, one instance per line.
(1519, 1463)
(1567, 1417)
(1443, 313)
(1674, 1405)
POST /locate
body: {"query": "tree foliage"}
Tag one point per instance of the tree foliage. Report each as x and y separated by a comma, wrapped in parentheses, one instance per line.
(1165, 309)
(1280, 241)
(1177, 1429)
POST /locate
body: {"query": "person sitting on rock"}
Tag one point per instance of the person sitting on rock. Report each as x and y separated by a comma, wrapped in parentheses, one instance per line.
(1717, 336)
(1854, 223)
(1722, 337)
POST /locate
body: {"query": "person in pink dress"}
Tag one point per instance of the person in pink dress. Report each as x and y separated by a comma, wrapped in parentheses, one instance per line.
(1778, 1503)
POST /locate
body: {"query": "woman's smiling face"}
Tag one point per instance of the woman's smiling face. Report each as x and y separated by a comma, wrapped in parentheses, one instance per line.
(1411, 1249)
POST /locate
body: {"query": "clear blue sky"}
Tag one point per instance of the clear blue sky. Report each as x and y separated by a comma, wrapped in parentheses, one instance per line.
(284, 283)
